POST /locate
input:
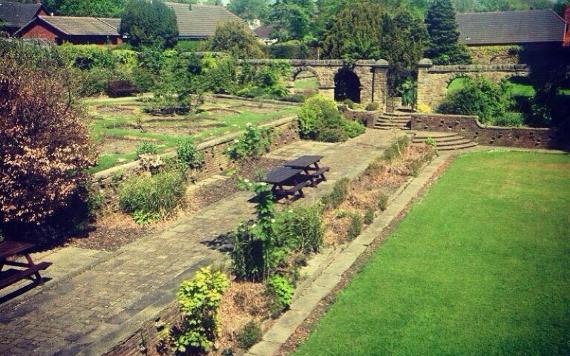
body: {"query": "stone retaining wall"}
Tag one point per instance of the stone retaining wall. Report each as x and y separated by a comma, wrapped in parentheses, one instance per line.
(470, 128)
(433, 80)
(367, 118)
(284, 131)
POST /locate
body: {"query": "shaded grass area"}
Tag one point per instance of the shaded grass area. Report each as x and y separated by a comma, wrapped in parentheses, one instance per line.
(479, 266)
(518, 87)
(162, 131)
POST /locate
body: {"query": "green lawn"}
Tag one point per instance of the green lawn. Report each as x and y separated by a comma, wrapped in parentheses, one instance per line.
(306, 83)
(518, 87)
(480, 266)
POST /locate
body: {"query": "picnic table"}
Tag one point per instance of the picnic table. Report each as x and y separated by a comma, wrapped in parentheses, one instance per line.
(310, 165)
(283, 177)
(9, 249)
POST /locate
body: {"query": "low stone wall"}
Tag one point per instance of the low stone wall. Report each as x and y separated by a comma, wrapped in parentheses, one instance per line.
(216, 160)
(367, 118)
(470, 128)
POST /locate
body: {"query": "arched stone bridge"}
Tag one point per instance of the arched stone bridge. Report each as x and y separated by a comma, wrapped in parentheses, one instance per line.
(433, 80)
(372, 75)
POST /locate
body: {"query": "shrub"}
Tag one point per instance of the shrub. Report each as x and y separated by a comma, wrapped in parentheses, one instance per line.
(349, 103)
(372, 106)
(355, 227)
(290, 49)
(479, 97)
(430, 141)
(149, 23)
(396, 149)
(199, 301)
(383, 201)
(281, 291)
(248, 253)
(249, 335)
(301, 228)
(415, 167)
(338, 195)
(158, 194)
(45, 146)
(368, 216)
(320, 119)
(188, 155)
(146, 148)
(510, 119)
(252, 143)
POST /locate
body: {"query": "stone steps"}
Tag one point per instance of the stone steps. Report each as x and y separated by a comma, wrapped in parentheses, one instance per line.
(444, 141)
(398, 119)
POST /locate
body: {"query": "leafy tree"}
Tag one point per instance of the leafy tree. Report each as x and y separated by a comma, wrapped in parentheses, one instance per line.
(103, 8)
(235, 38)
(249, 9)
(148, 23)
(44, 145)
(291, 19)
(444, 37)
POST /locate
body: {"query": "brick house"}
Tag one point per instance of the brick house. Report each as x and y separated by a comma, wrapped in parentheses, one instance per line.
(14, 15)
(76, 30)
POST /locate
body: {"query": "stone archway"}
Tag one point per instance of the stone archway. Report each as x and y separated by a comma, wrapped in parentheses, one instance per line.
(346, 85)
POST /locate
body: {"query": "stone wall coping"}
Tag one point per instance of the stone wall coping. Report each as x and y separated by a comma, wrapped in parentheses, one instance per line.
(476, 119)
(478, 68)
(318, 62)
(201, 147)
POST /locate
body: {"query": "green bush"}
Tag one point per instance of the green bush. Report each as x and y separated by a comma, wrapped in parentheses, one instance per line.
(338, 195)
(249, 335)
(248, 253)
(355, 227)
(289, 50)
(372, 106)
(188, 155)
(146, 148)
(158, 194)
(199, 301)
(510, 119)
(368, 216)
(301, 229)
(430, 141)
(281, 291)
(397, 148)
(383, 201)
(349, 103)
(252, 143)
(481, 97)
(319, 119)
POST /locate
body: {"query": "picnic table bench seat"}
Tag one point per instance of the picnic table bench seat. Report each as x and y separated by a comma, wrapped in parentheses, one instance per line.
(9, 249)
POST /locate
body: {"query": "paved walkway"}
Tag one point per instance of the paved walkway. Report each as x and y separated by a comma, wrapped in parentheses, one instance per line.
(107, 299)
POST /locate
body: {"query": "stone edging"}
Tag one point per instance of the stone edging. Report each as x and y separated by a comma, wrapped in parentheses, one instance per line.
(309, 296)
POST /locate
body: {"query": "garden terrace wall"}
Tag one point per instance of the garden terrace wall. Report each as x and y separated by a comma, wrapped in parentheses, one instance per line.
(367, 118)
(284, 131)
(470, 128)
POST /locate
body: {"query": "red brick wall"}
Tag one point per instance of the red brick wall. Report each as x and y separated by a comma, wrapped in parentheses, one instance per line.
(39, 30)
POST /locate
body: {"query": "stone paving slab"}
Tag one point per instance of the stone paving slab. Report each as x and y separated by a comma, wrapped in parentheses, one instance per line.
(310, 295)
(93, 310)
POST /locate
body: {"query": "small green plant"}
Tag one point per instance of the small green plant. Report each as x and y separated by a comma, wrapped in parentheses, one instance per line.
(146, 148)
(382, 202)
(397, 148)
(143, 217)
(252, 144)
(281, 291)
(338, 195)
(151, 196)
(199, 301)
(188, 155)
(249, 335)
(349, 103)
(355, 227)
(415, 167)
(368, 216)
(430, 141)
(372, 106)
(301, 229)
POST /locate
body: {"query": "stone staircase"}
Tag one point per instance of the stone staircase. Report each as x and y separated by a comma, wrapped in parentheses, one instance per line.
(398, 119)
(445, 141)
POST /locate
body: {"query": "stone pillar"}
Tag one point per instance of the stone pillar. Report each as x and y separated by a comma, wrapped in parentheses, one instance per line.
(423, 85)
(327, 91)
(380, 83)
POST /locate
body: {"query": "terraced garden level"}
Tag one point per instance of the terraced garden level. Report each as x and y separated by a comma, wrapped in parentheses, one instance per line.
(478, 266)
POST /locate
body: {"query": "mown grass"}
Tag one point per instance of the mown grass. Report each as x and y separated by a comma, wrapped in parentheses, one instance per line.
(518, 87)
(479, 266)
(306, 83)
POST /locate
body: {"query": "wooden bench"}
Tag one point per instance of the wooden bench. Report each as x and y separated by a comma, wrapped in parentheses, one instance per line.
(10, 249)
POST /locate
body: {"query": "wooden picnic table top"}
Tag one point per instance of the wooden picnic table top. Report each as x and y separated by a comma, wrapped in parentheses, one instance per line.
(281, 175)
(303, 161)
(11, 248)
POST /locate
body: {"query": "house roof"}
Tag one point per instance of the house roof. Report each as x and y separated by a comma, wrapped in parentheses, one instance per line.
(79, 26)
(200, 21)
(264, 31)
(511, 27)
(16, 15)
